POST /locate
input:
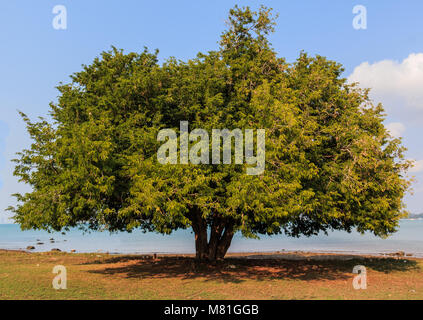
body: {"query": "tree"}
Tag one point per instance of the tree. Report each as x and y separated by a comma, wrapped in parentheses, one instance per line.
(330, 162)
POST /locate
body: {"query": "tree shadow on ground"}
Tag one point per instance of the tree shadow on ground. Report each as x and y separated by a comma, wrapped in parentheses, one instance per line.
(238, 270)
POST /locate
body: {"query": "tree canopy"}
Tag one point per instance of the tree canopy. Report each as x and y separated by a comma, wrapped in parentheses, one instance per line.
(330, 162)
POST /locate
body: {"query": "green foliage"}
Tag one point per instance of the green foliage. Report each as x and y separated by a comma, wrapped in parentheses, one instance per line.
(330, 163)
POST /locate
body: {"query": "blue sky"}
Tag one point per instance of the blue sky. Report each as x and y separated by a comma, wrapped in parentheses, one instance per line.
(36, 57)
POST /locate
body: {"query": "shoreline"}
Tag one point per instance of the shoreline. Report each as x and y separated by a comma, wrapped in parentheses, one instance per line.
(407, 243)
(258, 255)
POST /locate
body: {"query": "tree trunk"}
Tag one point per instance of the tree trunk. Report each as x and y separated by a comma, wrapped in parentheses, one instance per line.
(225, 242)
(221, 235)
(200, 229)
(215, 235)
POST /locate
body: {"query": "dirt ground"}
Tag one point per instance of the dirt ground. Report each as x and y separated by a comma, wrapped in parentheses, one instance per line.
(254, 276)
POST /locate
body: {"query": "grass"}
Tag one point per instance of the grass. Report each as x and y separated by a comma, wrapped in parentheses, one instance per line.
(101, 276)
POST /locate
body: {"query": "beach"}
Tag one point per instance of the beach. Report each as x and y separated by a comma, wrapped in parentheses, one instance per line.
(276, 276)
(152, 266)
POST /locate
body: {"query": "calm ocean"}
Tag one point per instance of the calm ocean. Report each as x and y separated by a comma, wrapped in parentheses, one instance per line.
(409, 239)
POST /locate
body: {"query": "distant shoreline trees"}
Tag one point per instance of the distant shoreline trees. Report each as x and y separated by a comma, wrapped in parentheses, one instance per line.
(415, 216)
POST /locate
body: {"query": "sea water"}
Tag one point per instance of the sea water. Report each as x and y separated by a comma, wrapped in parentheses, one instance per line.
(409, 239)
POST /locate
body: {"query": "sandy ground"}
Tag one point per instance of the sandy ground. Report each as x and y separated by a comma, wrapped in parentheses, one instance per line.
(272, 275)
(301, 255)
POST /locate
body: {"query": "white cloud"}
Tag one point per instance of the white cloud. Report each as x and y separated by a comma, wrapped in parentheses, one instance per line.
(398, 85)
(396, 129)
(418, 166)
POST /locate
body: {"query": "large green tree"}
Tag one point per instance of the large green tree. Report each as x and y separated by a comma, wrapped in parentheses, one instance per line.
(330, 162)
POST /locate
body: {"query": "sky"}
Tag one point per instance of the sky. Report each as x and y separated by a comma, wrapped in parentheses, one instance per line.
(35, 56)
